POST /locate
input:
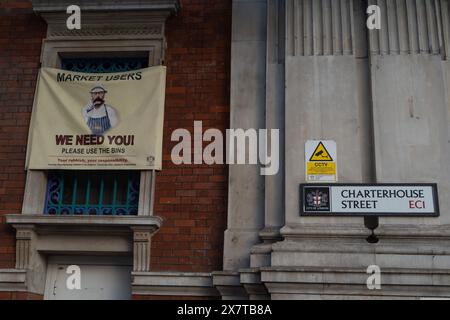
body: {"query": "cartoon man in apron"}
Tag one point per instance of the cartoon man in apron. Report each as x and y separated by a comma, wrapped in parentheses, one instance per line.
(99, 116)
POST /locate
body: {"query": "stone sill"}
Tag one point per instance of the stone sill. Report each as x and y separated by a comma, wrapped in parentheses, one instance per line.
(250, 275)
(192, 284)
(173, 278)
(47, 222)
(362, 270)
(226, 278)
(321, 276)
(228, 283)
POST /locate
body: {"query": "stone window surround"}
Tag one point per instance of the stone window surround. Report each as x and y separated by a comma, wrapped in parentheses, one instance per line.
(130, 33)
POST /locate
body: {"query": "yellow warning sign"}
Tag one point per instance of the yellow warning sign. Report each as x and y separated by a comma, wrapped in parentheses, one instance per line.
(320, 161)
(321, 154)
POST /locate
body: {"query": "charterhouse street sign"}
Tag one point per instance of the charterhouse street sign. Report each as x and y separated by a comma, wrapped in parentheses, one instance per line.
(417, 200)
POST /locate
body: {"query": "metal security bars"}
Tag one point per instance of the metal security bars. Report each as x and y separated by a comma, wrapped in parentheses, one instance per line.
(104, 65)
(92, 193)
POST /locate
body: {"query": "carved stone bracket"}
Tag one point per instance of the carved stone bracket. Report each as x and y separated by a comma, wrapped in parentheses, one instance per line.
(24, 236)
(141, 248)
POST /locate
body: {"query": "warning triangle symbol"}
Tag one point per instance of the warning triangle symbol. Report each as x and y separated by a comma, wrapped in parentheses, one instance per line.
(321, 154)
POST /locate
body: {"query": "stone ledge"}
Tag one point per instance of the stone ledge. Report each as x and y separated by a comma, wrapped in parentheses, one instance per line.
(228, 283)
(93, 221)
(348, 283)
(295, 291)
(111, 5)
(79, 228)
(173, 284)
(250, 275)
(355, 276)
(413, 247)
(311, 230)
(251, 280)
(361, 260)
(13, 280)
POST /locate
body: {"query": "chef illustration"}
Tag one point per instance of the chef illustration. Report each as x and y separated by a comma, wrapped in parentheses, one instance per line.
(99, 116)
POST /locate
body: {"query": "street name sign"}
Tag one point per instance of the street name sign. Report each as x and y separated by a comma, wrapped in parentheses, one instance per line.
(415, 200)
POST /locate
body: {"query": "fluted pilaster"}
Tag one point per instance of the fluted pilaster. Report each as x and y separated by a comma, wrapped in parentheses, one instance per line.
(320, 27)
(411, 27)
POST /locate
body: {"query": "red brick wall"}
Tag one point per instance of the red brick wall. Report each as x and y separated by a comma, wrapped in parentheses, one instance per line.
(20, 296)
(192, 199)
(21, 34)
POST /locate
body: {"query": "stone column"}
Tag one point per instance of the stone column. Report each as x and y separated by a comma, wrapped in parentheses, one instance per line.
(246, 193)
(274, 184)
(246, 185)
(274, 118)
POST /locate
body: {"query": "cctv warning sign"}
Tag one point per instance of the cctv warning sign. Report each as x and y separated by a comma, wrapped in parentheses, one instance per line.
(320, 160)
(321, 154)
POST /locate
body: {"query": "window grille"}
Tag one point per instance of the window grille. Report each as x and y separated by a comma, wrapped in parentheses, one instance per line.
(92, 193)
(104, 65)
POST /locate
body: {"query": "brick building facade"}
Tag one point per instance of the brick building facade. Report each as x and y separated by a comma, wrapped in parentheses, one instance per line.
(309, 68)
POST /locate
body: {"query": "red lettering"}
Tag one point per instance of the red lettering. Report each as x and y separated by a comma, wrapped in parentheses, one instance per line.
(416, 204)
(64, 140)
(89, 140)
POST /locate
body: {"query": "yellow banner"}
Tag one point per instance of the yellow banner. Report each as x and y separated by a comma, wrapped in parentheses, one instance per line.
(108, 121)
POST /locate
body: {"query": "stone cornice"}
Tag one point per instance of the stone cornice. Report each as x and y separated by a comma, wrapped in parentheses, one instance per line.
(171, 6)
(108, 19)
(13, 280)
